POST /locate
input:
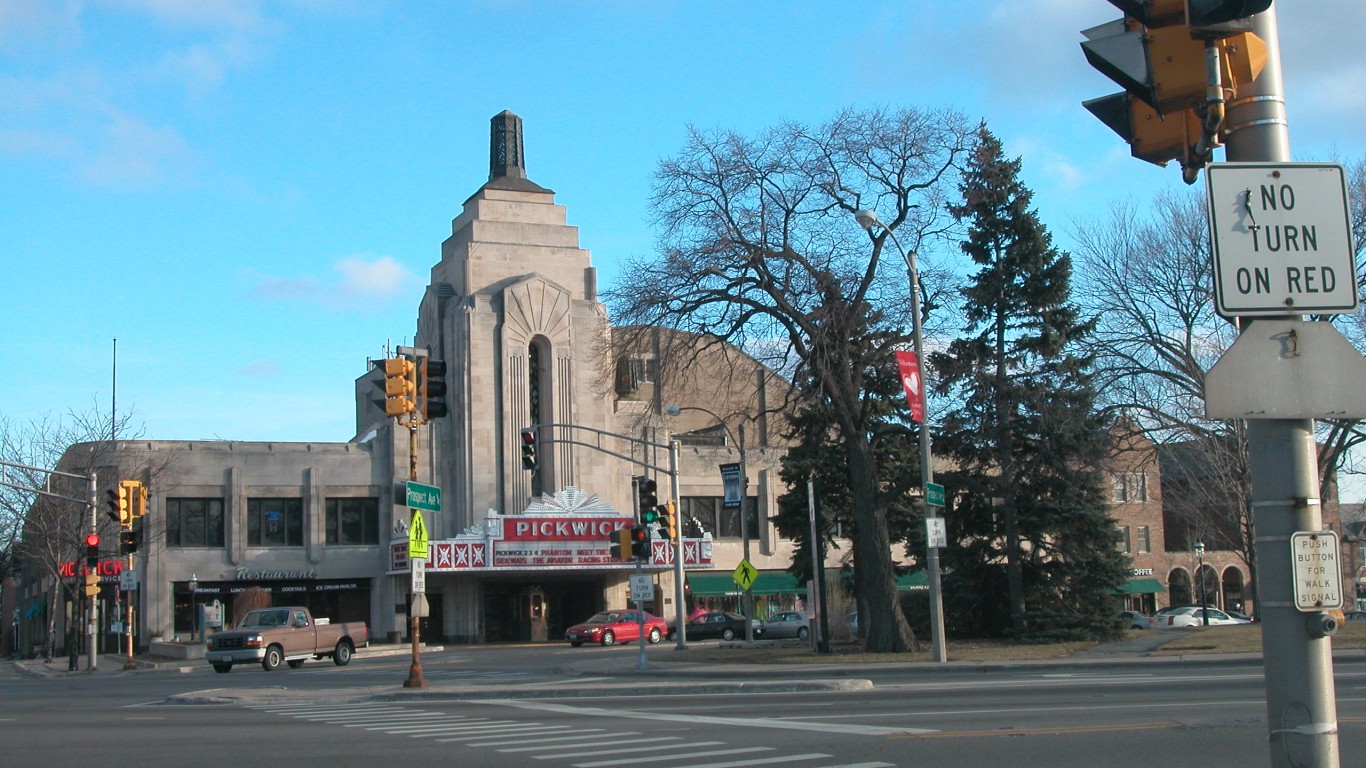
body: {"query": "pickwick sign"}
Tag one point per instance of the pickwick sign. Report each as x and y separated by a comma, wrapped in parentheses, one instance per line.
(560, 537)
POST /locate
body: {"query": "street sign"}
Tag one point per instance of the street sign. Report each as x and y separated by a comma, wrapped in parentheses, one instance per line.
(730, 486)
(1282, 239)
(1318, 576)
(642, 588)
(936, 532)
(419, 573)
(421, 496)
(744, 574)
(417, 538)
(128, 580)
(934, 494)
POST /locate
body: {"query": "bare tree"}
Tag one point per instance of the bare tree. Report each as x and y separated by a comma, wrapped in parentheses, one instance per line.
(1148, 276)
(45, 532)
(760, 249)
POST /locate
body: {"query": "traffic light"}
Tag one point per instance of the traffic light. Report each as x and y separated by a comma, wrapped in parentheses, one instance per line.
(138, 497)
(399, 385)
(640, 543)
(92, 552)
(1178, 61)
(529, 450)
(128, 541)
(92, 583)
(431, 389)
(646, 499)
(120, 510)
(669, 511)
(621, 544)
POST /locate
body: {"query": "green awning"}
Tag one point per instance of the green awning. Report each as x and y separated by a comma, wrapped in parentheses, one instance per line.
(1140, 587)
(721, 584)
(907, 582)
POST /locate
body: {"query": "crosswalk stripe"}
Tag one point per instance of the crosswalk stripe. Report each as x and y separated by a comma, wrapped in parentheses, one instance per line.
(660, 758)
(539, 731)
(636, 748)
(760, 761)
(581, 735)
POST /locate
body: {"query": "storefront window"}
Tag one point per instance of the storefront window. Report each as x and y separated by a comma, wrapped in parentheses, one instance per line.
(194, 522)
(275, 523)
(352, 521)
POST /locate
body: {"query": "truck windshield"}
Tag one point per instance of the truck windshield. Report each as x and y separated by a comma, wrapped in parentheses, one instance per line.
(265, 619)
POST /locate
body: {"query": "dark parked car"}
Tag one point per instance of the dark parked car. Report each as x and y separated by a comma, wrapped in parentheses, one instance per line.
(610, 627)
(722, 624)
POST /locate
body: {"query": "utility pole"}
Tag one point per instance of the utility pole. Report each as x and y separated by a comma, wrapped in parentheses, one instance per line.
(1300, 698)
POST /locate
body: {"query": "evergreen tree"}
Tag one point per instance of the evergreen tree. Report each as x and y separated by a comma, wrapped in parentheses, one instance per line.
(1039, 553)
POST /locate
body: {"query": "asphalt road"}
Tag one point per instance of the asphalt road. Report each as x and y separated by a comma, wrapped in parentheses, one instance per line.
(516, 709)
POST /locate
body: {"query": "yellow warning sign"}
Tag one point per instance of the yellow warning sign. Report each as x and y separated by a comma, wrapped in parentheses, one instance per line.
(417, 537)
(744, 574)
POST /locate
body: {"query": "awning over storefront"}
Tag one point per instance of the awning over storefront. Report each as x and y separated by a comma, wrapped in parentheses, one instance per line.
(780, 583)
(1140, 587)
(767, 583)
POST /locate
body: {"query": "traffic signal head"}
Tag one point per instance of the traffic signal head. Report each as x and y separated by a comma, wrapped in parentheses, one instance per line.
(646, 498)
(399, 385)
(640, 543)
(92, 551)
(138, 498)
(92, 583)
(120, 505)
(669, 510)
(1179, 62)
(529, 461)
(621, 544)
(431, 389)
(128, 541)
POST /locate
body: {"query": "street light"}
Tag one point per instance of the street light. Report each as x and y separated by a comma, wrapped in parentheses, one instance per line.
(1200, 574)
(868, 220)
(674, 410)
(194, 608)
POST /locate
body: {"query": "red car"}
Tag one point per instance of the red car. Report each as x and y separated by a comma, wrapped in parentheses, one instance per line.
(610, 627)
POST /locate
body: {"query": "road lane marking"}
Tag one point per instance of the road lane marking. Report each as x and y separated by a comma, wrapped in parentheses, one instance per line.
(1042, 731)
(633, 760)
(747, 722)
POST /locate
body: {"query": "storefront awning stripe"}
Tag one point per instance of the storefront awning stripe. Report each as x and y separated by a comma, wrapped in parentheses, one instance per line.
(34, 610)
(721, 584)
(1140, 587)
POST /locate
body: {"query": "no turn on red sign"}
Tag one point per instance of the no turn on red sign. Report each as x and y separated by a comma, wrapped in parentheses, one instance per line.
(1282, 239)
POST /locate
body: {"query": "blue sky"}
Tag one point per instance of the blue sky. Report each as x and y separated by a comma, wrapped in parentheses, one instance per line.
(250, 195)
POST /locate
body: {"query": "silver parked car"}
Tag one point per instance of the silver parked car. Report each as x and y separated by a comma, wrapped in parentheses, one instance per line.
(787, 624)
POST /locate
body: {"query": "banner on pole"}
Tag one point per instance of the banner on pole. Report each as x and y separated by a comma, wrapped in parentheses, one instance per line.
(912, 381)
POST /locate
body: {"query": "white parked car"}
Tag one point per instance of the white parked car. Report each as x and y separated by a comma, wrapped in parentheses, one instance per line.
(1190, 616)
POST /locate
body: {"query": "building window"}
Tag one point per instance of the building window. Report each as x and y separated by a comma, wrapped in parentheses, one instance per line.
(352, 521)
(705, 513)
(194, 522)
(275, 522)
(1130, 486)
(1128, 544)
(1143, 546)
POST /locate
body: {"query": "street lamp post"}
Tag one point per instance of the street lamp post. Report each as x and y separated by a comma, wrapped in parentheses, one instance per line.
(1200, 574)
(868, 220)
(674, 410)
(194, 608)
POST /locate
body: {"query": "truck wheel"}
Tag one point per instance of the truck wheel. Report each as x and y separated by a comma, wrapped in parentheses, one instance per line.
(275, 656)
(296, 663)
(654, 635)
(341, 656)
(222, 667)
(608, 638)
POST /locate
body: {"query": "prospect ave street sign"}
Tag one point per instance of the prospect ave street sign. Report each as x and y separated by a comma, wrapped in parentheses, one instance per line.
(426, 497)
(1282, 239)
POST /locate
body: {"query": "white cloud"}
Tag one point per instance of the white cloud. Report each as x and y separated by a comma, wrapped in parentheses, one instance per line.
(360, 282)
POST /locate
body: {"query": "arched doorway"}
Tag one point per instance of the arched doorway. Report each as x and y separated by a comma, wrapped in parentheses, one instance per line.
(1179, 587)
(1207, 588)
(1232, 581)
